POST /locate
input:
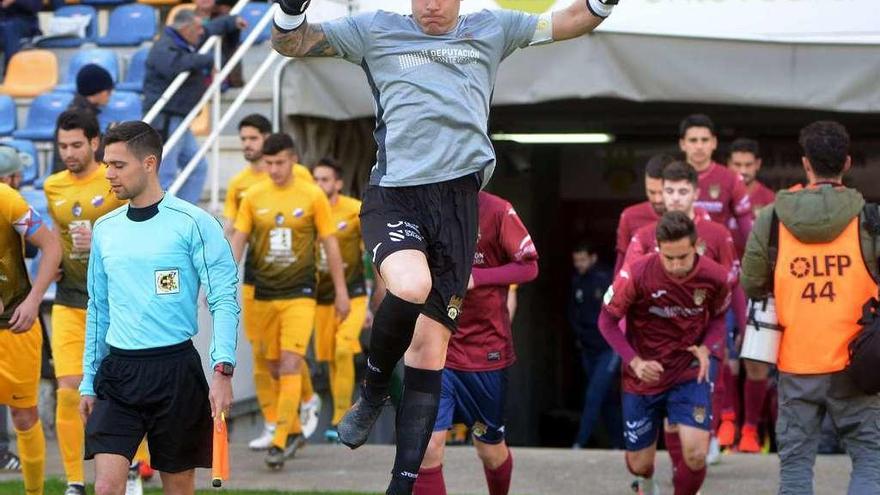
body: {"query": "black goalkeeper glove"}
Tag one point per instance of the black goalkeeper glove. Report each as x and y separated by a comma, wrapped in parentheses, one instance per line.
(296, 7)
(601, 8)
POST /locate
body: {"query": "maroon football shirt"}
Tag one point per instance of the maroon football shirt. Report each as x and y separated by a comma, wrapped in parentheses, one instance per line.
(483, 341)
(723, 194)
(665, 315)
(713, 241)
(760, 196)
(632, 218)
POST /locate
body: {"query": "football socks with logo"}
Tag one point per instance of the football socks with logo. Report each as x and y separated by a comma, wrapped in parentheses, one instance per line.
(415, 423)
(290, 390)
(498, 479)
(430, 482)
(32, 452)
(393, 328)
(71, 434)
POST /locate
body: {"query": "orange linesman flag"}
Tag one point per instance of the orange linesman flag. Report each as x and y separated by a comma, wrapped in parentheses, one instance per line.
(220, 464)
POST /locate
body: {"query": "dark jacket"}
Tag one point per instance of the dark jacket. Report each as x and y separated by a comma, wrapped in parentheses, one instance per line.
(22, 9)
(813, 216)
(170, 56)
(584, 304)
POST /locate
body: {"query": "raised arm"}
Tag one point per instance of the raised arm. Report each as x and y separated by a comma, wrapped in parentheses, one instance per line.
(580, 18)
(292, 36)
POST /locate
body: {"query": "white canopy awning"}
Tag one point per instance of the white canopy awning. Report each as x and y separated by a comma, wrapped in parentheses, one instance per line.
(725, 52)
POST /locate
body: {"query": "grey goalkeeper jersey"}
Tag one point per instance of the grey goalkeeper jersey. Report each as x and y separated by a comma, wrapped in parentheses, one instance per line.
(432, 93)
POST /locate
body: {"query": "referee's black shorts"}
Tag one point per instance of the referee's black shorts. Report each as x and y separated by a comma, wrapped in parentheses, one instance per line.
(161, 393)
(440, 220)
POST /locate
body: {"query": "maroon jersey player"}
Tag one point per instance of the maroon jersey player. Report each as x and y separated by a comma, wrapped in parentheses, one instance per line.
(640, 214)
(674, 302)
(479, 353)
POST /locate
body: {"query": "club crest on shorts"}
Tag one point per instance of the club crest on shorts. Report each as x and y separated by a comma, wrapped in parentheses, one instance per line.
(715, 191)
(167, 282)
(699, 414)
(699, 296)
(479, 429)
(454, 307)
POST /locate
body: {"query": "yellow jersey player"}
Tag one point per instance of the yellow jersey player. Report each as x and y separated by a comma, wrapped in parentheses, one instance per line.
(337, 342)
(77, 197)
(252, 131)
(283, 219)
(21, 337)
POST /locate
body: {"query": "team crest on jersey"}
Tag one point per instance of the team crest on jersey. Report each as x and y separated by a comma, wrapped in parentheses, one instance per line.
(715, 191)
(298, 212)
(279, 219)
(699, 414)
(167, 282)
(454, 307)
(699, 296)
(701, 247)
(342, 225)
(480, 429)
(97, 201)
(77, 210)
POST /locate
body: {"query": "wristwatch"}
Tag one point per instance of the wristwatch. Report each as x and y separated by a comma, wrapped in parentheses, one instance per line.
(225, 369)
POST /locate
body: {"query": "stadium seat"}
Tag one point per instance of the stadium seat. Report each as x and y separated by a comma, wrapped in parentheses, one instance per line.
(28, 153)
(123, 106)
(174, 10)
(105, 3)
(135, 72)
(104, 57)
(30, 73)
(252, 13)
(8, 115)
(130, 25)
(42, 115)
(160, 3)
(73, 41)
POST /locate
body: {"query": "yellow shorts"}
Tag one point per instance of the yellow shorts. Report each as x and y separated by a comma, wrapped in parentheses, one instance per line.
(68, 340)
(285, 325)
(20, 359)
(247, 313)
(331, 335)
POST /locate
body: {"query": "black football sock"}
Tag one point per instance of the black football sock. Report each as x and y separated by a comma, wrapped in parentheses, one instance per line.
(393, 328)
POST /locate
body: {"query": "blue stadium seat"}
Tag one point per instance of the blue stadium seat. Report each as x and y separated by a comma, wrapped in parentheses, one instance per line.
(130, 25)
(8, 115)
(28, 153)
(42, 115)
(100, 56)
(123, 106)
(73, 41)
(252, 12)
(105, 3)
(136, 72)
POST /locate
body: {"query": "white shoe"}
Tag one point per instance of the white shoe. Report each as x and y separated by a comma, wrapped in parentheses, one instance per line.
(264, 441)
(714, 455)
(134, 485)
(309, 413)
(645, 486)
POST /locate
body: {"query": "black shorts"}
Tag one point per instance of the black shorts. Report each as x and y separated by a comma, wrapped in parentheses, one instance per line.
(440, 220)
(161, 393)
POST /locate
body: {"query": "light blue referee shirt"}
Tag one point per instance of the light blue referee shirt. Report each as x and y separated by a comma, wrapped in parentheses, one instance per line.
(145, 270)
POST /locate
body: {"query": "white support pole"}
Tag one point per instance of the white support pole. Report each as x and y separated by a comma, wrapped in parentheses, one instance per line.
(215, 151)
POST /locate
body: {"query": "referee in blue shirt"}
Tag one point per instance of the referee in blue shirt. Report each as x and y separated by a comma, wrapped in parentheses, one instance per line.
(141, 373)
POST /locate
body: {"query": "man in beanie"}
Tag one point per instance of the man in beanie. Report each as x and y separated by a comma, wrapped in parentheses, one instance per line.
(10, 167)
(94, 86)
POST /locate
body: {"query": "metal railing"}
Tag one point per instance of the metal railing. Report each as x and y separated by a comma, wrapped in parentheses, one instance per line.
(213, 92)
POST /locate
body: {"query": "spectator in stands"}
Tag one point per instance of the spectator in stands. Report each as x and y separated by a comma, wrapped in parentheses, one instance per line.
(176, 52)
(18, 20)
(600, 363)
(10, 167)
(94, 86)
(211, 9)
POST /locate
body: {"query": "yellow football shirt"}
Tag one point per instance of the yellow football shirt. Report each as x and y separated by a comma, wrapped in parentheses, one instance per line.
(284, 225)
(17, 220)
(347, 229)
(248, 177)
(77, 202)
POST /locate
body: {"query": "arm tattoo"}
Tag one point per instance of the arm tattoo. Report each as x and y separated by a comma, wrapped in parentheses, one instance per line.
(307, 41)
